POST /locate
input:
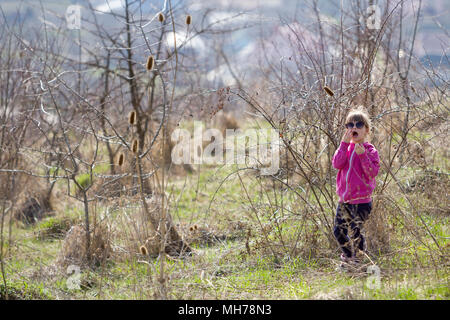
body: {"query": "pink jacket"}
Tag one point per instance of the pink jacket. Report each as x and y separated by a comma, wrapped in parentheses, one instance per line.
(355, 180)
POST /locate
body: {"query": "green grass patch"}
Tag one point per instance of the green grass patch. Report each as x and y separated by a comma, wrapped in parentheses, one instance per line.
(23, 291)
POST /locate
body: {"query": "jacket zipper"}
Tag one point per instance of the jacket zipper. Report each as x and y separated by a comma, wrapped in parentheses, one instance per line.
(346, 176)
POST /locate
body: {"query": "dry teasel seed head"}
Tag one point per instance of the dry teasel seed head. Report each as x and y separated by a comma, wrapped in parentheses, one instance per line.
(132, 118)
(328, 91)
(143, 250)
(135, 146)
(188, 19)
(161, 17)
(120, 160)
(150, 63)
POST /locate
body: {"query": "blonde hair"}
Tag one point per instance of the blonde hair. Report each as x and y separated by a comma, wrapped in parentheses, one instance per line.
(359, 114)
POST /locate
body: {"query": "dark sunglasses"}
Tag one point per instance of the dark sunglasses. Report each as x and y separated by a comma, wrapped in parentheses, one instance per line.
(359, 125)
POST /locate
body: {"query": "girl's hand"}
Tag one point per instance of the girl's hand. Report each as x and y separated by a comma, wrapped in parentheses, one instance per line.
(347, 136)
(359, 148)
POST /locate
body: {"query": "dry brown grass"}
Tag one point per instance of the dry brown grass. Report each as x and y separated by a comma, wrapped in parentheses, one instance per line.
(377, 229)
(161, 153)
(106, 188)
(33, 206)
(204, 236)
(131, 230)
(225, 120)
(74, 252)
(431, 187)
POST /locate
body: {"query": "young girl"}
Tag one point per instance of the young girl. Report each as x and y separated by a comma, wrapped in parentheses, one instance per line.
(357, 162)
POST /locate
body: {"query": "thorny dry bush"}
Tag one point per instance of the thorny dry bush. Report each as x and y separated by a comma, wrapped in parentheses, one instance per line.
(66, 120)
(74, 252)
